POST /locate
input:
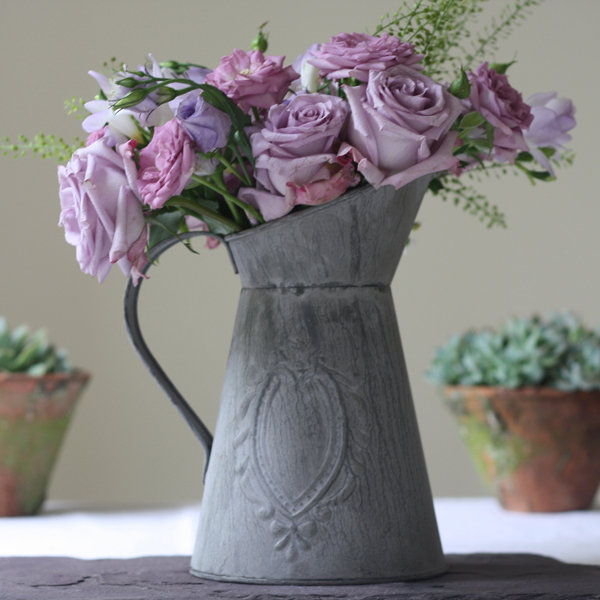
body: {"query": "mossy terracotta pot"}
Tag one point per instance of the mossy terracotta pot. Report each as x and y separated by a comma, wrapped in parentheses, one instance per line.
(538, 448)
(34, 415)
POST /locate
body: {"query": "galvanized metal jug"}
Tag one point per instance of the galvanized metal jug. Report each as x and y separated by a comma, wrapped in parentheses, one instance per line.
(316, 474)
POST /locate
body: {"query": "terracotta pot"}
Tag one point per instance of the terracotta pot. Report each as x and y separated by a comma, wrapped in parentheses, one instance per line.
(538, 448)
(34, 416)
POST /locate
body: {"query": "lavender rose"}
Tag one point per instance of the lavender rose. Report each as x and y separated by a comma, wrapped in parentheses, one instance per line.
(355, 54)
(503, 107)
(552, 118)
(205, 124)
(251, 79)
(399, 126)
(296, 155)
(166, 164)
(101, 210)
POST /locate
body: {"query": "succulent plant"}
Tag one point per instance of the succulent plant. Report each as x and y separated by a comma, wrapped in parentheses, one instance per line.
(22, 352)
(557, 351)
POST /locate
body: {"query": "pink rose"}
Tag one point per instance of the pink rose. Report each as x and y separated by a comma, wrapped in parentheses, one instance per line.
(399, 126)
(166, 164)
(503, 107)
(194, 224)
(101, 210)
(295, 155)
(552, 118)
(355, 54)
(95, 136)
(251, 79)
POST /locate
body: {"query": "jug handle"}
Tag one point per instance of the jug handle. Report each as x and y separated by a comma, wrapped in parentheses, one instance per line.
(135, 336)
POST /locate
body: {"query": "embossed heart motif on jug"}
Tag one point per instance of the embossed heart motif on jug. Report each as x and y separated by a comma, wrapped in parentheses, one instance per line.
(316, 474)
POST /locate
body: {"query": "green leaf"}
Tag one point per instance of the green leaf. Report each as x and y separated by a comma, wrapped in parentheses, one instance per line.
(26, 356)
(524, 157)
(501, 68)
(165, 225)
(541, 175)
(472, 120)
(435, 186)
(19, 336)
(460, 87)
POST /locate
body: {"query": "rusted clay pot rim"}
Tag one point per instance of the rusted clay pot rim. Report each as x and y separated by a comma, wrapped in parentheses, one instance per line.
(76, 374)
(540, 393)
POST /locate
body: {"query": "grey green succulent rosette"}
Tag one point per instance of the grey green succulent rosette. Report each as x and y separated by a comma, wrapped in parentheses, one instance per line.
(30, 353)
(557, 351)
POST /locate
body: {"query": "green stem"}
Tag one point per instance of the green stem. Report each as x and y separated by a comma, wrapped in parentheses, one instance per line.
(218, 177)
(231, 168)
(438, 23)
(238, 155)
(202, 211)
(507, 21)
(250, 209)
(413, 13)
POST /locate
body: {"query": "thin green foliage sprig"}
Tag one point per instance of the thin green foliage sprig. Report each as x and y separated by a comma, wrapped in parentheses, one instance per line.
(440, 30)
(450, 188)
(500, 28)
(42, 145)
(437, 28)
(76, 106)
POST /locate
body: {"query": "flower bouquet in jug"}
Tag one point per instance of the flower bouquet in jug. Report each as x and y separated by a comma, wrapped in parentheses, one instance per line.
(175, 147)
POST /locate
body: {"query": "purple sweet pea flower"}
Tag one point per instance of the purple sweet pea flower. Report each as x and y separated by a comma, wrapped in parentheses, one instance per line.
(295, 155)
(206, 125)
(503, 107)
(195, 74)
(251, 79)
(147, 113)
(122, 123)
(355, 54)
(101, 210)
(552, 118)
(399, 126)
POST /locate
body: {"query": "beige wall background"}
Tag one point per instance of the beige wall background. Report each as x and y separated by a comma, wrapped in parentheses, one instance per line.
(127, 444)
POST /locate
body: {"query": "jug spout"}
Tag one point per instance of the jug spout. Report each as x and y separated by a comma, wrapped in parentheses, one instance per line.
(355, 240)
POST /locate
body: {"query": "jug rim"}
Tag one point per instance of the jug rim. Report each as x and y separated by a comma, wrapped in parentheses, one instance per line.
(311, 210)
(306, 210)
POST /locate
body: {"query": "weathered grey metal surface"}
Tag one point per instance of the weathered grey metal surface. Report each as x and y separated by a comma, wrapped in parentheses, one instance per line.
(470, 577)
(355, 240)
(317, 473)
(132, 326)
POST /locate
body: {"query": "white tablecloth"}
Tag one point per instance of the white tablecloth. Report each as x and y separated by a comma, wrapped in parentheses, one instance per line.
(466, 525)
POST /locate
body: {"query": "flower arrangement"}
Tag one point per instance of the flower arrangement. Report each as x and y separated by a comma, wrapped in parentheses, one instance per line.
(174, 147)
(556, 352)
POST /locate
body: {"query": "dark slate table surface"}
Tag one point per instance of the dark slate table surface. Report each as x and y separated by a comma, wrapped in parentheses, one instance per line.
(470, 577)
